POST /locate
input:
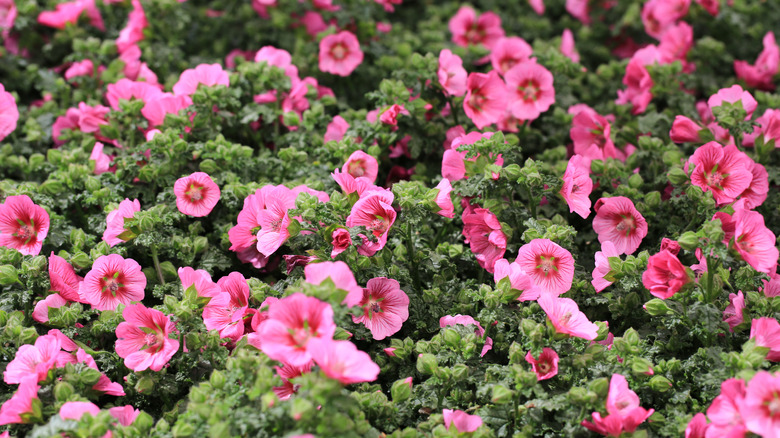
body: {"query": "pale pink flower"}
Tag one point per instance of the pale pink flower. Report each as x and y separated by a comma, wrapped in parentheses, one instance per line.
(8, 13)
(754, 241)
(518, 279)
(448, 320)
(135, 69)
(453, 162)
(293, 322)
(196, 195)
(101, 159)
(341, 276)
(23, 225)
(113, 280)
(205, 74)
(579, 9)
(361, 164)
(80, 68)
(508, 52)
(9, 113)
(200, 280)
(340, 53)
(486, 98)
(567, 46)
(768, 130)
(468, 29)
(733, 314)
(389, 116)
(772, 287)
(341, 360)
(21, 402)
(676, 42)
(462, 421)
(760, 75)
(638, 81)
(723, 170)
(483, 233)
(766, 332)
(374, 210)
(577, 186)
(659, 15)
(591, 134)
(158, 107)
(734, 94)
(74, 410)
(761, 408)
(665, 275)
(115, 221)
(724, 412)
(452, 75)
(341, 241)
(129, 90)
(274, 220)
(226, 310)
(33, 360)
(565, 316)
(452, 134)
(385, 307)
(550, 266)
(350, 184)
(277, 57)
(444, 200)
(143, 338)
(41, 311)
(546, 367)
(537, 6)
(618, 221)
(336, 129)
(602, 268)
(530, 89)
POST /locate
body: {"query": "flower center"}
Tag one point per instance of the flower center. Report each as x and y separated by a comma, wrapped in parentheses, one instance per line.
(339, 51)
(626, 224)
(773, 406)
(544, 367)
(507, 63)
(529, 90)
(301, 335)
(476, 101)
(357, 169)
(150, 340)
(378, 226)
(375, 308)
(111, 284)
(575, 188)
(25, 232)
(715, 179)
(546, 264)
(195, 193)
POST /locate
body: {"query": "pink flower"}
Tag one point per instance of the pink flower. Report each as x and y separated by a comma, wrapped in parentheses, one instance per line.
(462, 421)
(549, 266)
(104, 384)
(341, 241)
(518, 279)
(143, 338)
(158, 107)
(723, 170)
(761, 74)
(697, 427)
(724, 412)
(80, 68)
(590, 133)
(766, 332)
(769, 129)
(374, 210)
(20, 403)
(665, 275)
(685, 130)
(200, 280)
(274, 220)
(733, 314)
(577, 186)
(129, 90)
(565, 316)
(41, 311)
(483, 233)
(9, 113)
(754, 241)
(102, 160)
(546, 367)
(125, 414)
(579, 9)
(8, 13)
(602, 268)
(70, 12)
(243, 236)
(340, 54)
(226, 310)
(448, 320)
(508, 52)
(342, 361)
(453, 162)
(23, 225)
(659, 15)
(486, 98)
(734, 94)
(676, 42)
(467, 29)
(638, 81)
(443, 199)
(293, 322)
(33, 360)
(531, 90)
(567, 46)
(196, 195)
(389, 116)
(205, 74)
(452, 75)
(361, 164)
(618, 221)
(288, 372)
(277, 57)
(761, 407)
(113, 280)
(385, 307)
(133, 32)
(350, 184)
(115, 221)
(341, 276)
(336, 129)
(74, 410)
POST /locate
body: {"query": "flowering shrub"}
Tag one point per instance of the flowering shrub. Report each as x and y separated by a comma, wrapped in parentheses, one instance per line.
(281, 218)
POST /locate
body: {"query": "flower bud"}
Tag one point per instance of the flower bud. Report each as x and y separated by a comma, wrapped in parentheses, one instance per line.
(8, 275)
(217, 379)
(181, 429)
(657, 307)
(427, 364)
(677, 176)
(660, 384)
(63, 391)
(597, 167)
(460, 372)
(501, 395)
(600, 386)
(688, 241)
(452, 338)
(401, 390)
(635, 181)
(685, 130)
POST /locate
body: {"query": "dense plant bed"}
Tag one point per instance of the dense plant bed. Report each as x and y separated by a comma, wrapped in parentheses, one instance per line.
(368, 218)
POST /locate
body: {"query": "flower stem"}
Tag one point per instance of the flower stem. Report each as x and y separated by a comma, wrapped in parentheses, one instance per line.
(157, 265)
(410, 256)
(452, 111)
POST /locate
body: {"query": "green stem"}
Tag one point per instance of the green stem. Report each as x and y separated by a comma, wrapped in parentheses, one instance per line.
(410, 257)
(157, 266)
(452, 111)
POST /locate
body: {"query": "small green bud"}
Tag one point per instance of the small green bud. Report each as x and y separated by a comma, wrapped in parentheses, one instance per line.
(427, 364)
(209, 166)
(641, 366)
(597, 167)
(92, 184)
(401, 390)
(660, 384)
(516, 353)
(677, 176)
(653, 199)
(217, 379)
(181, 429)
(600, 386)
(460, 372)
(689, 241)
(694, 192)
(146, 384)
(89, 376)
(8, 275)
(501, 395)
(452, 337)
(200, 244)
(63, 391)
(143, 421)
(657, 307)
(635, 181)
(291, 119)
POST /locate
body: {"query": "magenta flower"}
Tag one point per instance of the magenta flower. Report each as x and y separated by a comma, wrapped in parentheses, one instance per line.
(638, 81)
(623, 411)
(550, 266)
(336, 129)
(288, 372)
(9, 113)
(341, 241)
(14, 409)
(350, 184)
(340, 54)
(277, 57)
(590, 133)
(732, 315)
(205, 74)
(243, 236)
(486, 98)
(766, 332)
(462, 421)
(565, 316)
(725, 410)
(769, 129)
(602, 268)
(196, 195)
(517, 278)
(341, 276)
(374, 210)
(577, 186)
(385, 307)
(754, 241)
(23, 225)
(126, 415)
(389, 115)
(452, 75)
(293, 322)
(619, 222)
(226, 310)
(567, 46)
(200, 280)
(468, 29)
(444, 200)
(274, 220)
(508, 52)
(125, 89)
(697, 427)
(33, 360)
(685, 130)
(723, 170)
(341, 360)
(143, 338)
(69, 12)
(104, 384)
(482, 231)
(734, 94)
(531, 91)
(133, 32)
(760, 75)
(113, 280)
(74, 410)
(453, 162)
(360, 164)
(546, 367)
(63, 278)
(115, 221)
(80, 68)
(761, 408)
(665, 275)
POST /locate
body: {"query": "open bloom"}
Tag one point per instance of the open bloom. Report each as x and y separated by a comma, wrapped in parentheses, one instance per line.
(565, 316)
(618, 221)
(341, 360)
(69, 12)
(23, 225)
(274, 220)
(761, 409)
(288, 372)
(360, 164)
(469, 29)
(766, 332)
(590, 132)
(340, 53)
(385, 307)
(341, 276)
(226, 310)
(374, 210)
(508, 52)
(462, 421)
(196, 195)
(486, 98)
(33, 360)
(732, 315)
(665, 275)
(115, 221)
(734, 94)
(518, 279)
(41, 311)
(9, 113)
(142, 339)
(760, 75)
(725, 411)
(546, 367)
(443, 199)
(206, 74)
(577, 186)
(550, 266)
(452, 75)
(74, 410)
(158, 107)
(531, 91)
(723, 170)
(754, 241)
(20, 403)
(243, 236)
(200, 280)
(483, 233)
(102, 160)
(623, 411)
(113, 280)
(602, 268)
(336, 129)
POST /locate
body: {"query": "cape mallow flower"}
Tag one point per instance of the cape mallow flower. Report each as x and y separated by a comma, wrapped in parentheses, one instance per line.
(462, 421)
(623, 411)
(340, 53)
(665, 275)
(374, 211)
(444, 200)
(550, 266)
(565, 316)
(226, 310)
(577, 186)
(142, 339)
(518, 279)
(546, 367)
(196, 195)
(15, 408)
(115, 221)
(734, 94)
(725, 171)
(602, 268)
(360, 164)
(23, 225)
(486, 98)
(205, 74)
(530, 89)
(754, 241)
(9, 113)
(341, 360)
(452, 75)
(508, 52)
(761, 408)
(619, 222)
(766, 332)
(468, 29)
(274, 220)
(33, 360)
(760, 75)
(200, 280)
(113, 280)
(385, 307)
(341, 276)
